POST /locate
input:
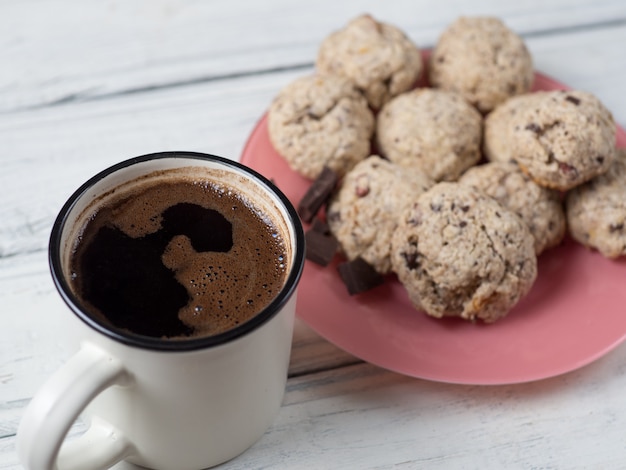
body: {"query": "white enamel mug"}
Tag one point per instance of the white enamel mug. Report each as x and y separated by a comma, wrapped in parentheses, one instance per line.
(177, 404)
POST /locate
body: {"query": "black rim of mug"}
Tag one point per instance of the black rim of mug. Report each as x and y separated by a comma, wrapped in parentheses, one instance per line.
(191, 344)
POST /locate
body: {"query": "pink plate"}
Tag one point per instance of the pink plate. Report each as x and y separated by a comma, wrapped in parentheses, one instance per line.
(575, 313)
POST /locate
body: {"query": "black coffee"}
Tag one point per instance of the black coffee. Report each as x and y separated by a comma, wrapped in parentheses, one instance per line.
(178, 258)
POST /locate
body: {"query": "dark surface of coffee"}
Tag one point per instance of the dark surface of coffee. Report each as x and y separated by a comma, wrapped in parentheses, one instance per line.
(178, 259)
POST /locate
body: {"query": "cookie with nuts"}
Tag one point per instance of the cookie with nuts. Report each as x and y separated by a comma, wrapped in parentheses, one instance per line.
(563, 138)
(320, 121)
(498, 125)
(596, 210)
(482, 59)
(437, 131)
(364, 212)
(378, 58)
(540, 208)
(458, 252)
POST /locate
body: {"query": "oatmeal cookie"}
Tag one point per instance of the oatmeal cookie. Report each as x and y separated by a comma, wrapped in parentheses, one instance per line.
(319, 121)
(377, 57)
(364, 212)
(481, 58)
(460, 253)
(541, 208)
(563, 139)
(596, 210)
(435, 130)
(497, 124)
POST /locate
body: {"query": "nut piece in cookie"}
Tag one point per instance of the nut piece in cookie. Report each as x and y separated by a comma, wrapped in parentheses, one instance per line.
(481, 58)
(563, 138)
(319, 121)
(596, 210)
(541, 208)
(436, 131)
(365, 211)
(377, 57)
(460, 253)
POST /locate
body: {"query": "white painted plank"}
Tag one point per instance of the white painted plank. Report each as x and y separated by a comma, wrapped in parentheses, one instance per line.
(49, 152)
(361, 416)
(57, 51)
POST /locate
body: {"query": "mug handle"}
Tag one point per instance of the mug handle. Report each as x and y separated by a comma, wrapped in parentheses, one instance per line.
(56, 406)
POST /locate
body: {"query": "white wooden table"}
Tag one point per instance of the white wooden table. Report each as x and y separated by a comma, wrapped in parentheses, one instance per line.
(84, 84)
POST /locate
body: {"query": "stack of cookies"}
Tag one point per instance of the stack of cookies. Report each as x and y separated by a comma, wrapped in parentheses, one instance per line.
(455, 187)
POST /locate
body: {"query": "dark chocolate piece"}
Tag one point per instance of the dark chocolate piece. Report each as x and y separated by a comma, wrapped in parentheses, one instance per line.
(320, 226)
(359, 276)
(320, 248)
(317, 194)
(572, 99)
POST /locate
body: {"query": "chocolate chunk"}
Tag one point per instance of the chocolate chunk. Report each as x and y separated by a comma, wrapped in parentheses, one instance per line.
(411, 261)
(317, 194)
(320, 226)
(572, 99)
(533, 127)
(359, 276)
(320, 248)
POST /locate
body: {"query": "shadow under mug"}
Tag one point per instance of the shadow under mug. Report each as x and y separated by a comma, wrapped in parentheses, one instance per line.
(163, 404)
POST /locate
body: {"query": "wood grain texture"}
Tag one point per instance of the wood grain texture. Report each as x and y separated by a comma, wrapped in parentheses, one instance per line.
(361, 416)
(85, 84)
(74, 50)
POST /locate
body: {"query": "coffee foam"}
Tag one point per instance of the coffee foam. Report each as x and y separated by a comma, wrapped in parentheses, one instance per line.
(225, 289)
